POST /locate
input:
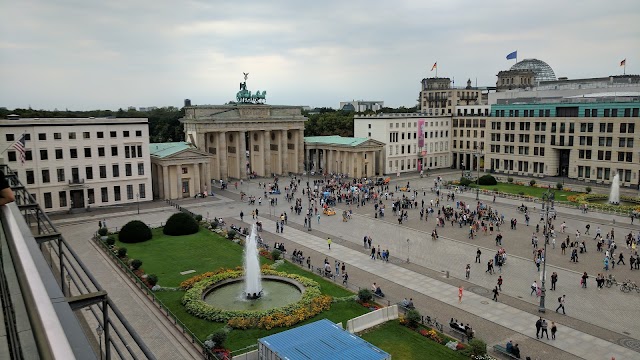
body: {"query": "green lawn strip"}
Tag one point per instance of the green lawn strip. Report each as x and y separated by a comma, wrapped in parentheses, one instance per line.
(238, 339)
(167, 256)
(404, 343)
(528, 190)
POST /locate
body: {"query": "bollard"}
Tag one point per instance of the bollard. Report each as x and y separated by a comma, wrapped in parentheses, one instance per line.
(447, 274)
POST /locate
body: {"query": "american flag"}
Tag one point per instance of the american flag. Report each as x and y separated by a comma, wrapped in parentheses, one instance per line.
(20, 147)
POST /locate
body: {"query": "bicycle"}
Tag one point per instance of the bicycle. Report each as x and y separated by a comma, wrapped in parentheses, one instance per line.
(628, 286)
(610, 281)
(433, 322)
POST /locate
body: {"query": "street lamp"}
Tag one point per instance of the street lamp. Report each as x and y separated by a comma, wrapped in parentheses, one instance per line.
(100, 331)
(408, 252)
(548, 198)
(138, 202)
(68, 277)
(477, 153)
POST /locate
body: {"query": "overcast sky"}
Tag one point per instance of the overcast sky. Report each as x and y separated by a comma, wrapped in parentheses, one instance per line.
(89, 54)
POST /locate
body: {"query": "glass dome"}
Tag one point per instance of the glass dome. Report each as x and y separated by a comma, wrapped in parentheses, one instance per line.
(542, 70)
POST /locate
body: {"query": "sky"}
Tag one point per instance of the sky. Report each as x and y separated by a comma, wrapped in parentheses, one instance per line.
(89, 54)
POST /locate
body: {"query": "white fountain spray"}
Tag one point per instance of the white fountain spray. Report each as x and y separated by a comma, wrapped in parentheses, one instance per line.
(614, 196)
(252, 276)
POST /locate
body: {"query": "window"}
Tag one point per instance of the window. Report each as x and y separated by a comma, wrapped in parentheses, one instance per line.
(73, 153)
(42, 136)
(142, 191)
(103, 172)
(627, 112)
(139, 132)
(100, 135)
(58, 154)
(72, 136)
(126, 152)
(127, 169)
(91, 196)
(45, 176)
(86, 135)
(60, 173)
(57, 136)
(62, 196)
(11, 137)
(87, 152)
(116, 170)
(129, 192)
(125, 134)
(185, 170)
(101, 151)
(44, 155)
(116, 193)
(48, 204)
(140, 168)
(11, 155)
(114, 151)
(105, 194)
(112, 134)
(30, 177)
(631, 128)
(89, 172)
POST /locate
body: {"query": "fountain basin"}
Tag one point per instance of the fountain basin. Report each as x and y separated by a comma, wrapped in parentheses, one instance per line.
(277, 292)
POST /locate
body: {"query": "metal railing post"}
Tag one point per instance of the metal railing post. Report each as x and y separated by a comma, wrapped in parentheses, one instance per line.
(105, 326)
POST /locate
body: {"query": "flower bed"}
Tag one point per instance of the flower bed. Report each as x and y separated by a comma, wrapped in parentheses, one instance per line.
(311, 304)
(589, 198)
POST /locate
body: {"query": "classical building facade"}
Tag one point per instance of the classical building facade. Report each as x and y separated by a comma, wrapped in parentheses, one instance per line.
(179, 170)
(413, 141)
(247, 138)
(76, 163)
(469, 130)
(356, 157)
(439, 97)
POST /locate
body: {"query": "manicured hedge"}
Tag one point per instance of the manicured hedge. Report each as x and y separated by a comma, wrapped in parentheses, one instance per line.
(134, 231)
(180, 224)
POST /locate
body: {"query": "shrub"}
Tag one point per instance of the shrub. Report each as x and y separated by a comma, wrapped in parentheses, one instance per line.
(231, 234)
(509, 180)
(214, 224)
(135, 231)
(103, 231)
(198, 217)
(365, 295)
(135, 264)
(219, 338)
(532, 182)
(413, 318)
(180, 224)
(475, 347)
(152, 279)
(465, 182)
(111, 241)
(521, 193)
(275, 254)
(487, 180)
(588, 189)
(122, 252)
(559, 186)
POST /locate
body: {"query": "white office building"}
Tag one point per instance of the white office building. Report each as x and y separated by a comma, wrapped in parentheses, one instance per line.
(406, 149)
(361, 105)
(80, 163)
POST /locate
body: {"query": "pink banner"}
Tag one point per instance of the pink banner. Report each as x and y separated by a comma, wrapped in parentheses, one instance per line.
(421, 133)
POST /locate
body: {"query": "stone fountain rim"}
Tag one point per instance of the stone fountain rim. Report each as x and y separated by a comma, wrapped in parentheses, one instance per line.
(228, 281)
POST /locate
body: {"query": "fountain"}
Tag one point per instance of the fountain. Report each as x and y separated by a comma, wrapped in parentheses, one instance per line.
(252, 276)
(614, 196)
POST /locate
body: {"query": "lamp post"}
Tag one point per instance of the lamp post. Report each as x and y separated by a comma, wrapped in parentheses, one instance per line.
(548, 198)
(68, 277)
(408, 252)
(138, 202)
(100, 331)
(477, 153)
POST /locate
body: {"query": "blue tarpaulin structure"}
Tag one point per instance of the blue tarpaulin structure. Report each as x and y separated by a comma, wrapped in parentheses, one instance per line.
(319, 340)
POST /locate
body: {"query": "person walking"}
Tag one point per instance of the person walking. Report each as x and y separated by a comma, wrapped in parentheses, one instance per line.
(241, 216)
(554, 280)
(584, 280)
(554, 329)
(534, 288)
(538, 327)
(495, 294)
(309, 262)
(460, 291)
(345, 278)
(544, 329)
(329, 242)
(467, 271)
(561, 304)
(478, 253)
(500, 282)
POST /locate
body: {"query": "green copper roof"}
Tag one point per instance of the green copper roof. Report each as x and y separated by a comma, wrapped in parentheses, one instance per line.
(162, 150)
(335, 140)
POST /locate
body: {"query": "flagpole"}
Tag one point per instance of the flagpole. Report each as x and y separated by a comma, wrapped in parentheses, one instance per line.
(10, 146)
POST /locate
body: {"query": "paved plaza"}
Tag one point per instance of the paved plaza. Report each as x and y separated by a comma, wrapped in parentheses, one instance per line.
(598, 322)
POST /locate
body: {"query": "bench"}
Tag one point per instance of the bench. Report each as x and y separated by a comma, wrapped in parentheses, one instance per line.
(503, 350)
(462, 334)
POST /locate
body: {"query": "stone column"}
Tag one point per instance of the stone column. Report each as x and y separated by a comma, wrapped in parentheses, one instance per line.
(278, 168)
(285, 151)
(179, 178)
(166, 192)
(267, 153)
(207, 172)
(328, 161)
(201, 142)
(222, 155)
(308, 159)
(242, 154)
(196, 178)
(300, 151)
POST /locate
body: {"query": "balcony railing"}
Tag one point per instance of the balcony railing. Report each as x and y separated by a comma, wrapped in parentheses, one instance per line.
(68, 287)
(76, 181)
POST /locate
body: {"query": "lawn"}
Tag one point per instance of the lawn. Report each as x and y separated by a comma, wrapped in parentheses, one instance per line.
(403, 343)
(167, 256)
(528, 190)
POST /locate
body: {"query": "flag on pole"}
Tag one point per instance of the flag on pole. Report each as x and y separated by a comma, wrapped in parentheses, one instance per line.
(513, 55)
(435, 66)
(623, 62)
(20, 148)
